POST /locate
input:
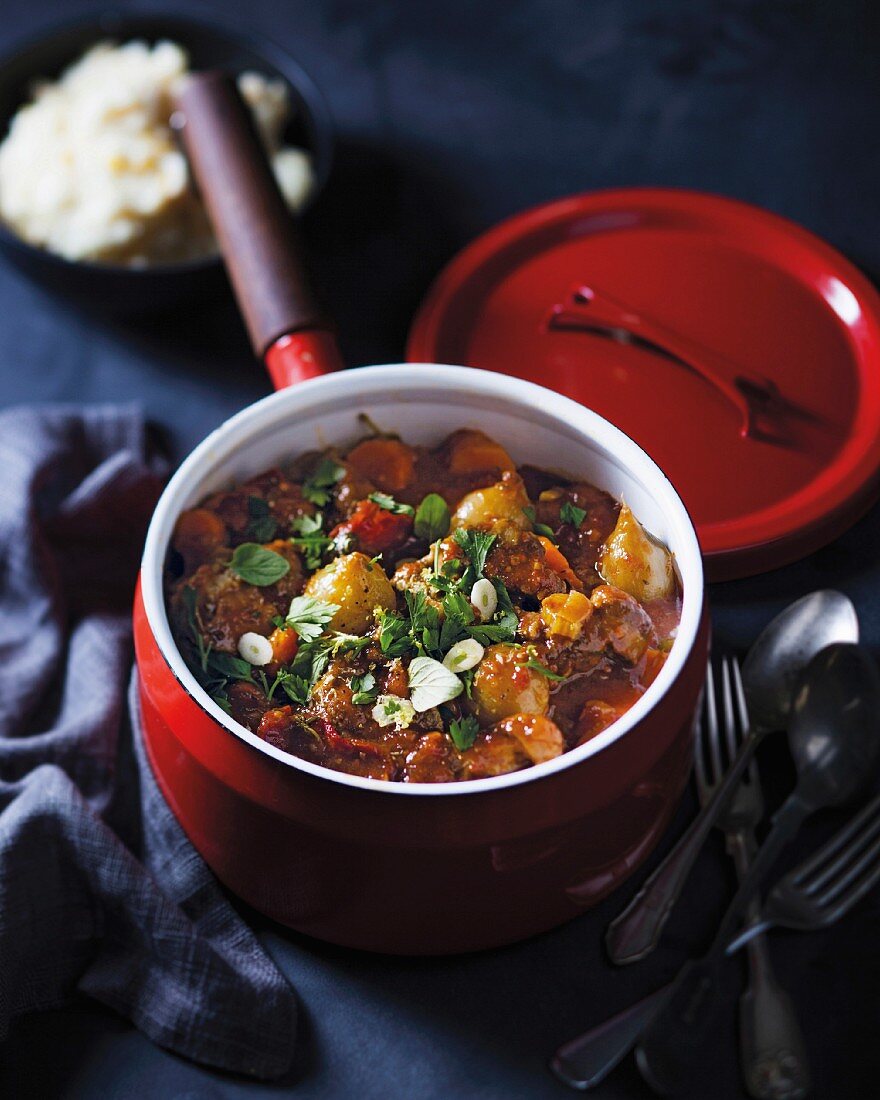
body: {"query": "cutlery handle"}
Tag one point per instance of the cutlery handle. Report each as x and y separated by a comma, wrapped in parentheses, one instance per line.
(635, 932)
(669, 1041)
(772, 1048)
(255, 230)
(771, 1044)
(587, 1060)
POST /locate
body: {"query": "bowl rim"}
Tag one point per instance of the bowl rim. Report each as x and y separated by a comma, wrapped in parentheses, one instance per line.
(264, 46)
(371, 383)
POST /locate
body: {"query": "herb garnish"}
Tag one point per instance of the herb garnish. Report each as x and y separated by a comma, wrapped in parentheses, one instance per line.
(364, 689)
(476, 544)
(430, 684)
(432, 518)
(464, 732)
(189, 597)
(309, 537)
(296, 688)
(254, 564)
(308, 616)
(570, 513)
(389, 504)
(316, 488)
(539, 528)
(261, 526)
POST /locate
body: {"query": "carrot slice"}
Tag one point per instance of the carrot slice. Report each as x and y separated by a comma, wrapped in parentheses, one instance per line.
(558, 562)
(388, 463)
(284, 641)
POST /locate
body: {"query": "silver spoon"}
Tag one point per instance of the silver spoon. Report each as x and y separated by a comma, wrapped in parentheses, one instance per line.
(770, 673)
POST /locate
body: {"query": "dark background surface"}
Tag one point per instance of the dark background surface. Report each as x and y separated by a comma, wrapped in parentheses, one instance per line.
(451, 116)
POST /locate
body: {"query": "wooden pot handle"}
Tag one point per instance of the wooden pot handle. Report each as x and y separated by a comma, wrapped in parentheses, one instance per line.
(254, 228)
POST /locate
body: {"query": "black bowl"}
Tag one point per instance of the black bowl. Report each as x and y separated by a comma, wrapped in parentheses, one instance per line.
(112, 287)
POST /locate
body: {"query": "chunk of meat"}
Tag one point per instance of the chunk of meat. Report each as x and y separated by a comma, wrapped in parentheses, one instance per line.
(518, 558)
(582, 543)
(199, 536)
(248, 704)
(283, 499)
(622, 623)
(227, 607)
(431, 761)
(494, 752)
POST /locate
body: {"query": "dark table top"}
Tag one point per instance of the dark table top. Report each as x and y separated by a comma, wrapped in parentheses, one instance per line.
(451, 116)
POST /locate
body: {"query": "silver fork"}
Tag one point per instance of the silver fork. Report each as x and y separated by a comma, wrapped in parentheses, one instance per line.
(826, 886)
(772, 1049)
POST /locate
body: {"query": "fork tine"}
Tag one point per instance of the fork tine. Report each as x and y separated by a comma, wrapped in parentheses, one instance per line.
(742, 707)
(713, 731)
(835, 849)
(703, 786)
(865, 864)
(729, 719)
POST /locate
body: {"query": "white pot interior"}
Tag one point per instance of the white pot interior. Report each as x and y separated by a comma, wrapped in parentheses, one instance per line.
(424, 402)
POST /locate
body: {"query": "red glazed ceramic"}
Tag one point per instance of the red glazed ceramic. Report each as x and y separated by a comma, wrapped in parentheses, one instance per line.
(420, 868)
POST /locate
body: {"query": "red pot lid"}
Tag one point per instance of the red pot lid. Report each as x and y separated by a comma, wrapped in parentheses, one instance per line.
(754, 377)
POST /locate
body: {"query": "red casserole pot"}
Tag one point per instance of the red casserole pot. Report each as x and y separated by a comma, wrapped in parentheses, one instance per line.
(415, 868)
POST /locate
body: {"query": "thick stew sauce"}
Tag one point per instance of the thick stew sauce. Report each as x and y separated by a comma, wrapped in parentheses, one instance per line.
(420, 614)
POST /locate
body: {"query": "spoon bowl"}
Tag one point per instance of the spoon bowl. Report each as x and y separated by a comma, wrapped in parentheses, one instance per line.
(775, 663)
(832, 732)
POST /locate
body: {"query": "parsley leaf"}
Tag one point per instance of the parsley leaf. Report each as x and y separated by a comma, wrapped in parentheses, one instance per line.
(389, 504)
(311, 660)
(467, 678)
(464, 732)
(432, 518)
(232, 668)
(190, 596)
(570, 513)
(261, 526)
(308, 536)
(222, 702)
(296, 687)
(424, 620)
(316, 488)
(539, 528)
(394, 636)
(476, 544)
(364, 689)
(309, 616)
(458, 615)
(255, 564)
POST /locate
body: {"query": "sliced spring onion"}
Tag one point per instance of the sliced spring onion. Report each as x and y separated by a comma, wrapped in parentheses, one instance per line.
(464, 655)
(255, 649)
(484, 598)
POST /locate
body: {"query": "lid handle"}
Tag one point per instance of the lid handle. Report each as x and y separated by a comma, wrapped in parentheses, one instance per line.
(255, 230)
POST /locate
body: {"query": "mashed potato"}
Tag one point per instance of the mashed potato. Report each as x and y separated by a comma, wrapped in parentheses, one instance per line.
(90, 168)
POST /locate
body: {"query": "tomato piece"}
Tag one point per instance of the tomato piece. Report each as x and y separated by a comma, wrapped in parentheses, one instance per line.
(374, 529)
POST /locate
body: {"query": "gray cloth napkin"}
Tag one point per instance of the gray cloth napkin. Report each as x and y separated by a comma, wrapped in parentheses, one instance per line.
(100, 891)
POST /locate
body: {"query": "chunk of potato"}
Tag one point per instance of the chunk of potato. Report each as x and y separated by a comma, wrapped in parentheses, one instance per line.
(504, 686)
(357, 585)
(635, 561)
(506, 499)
